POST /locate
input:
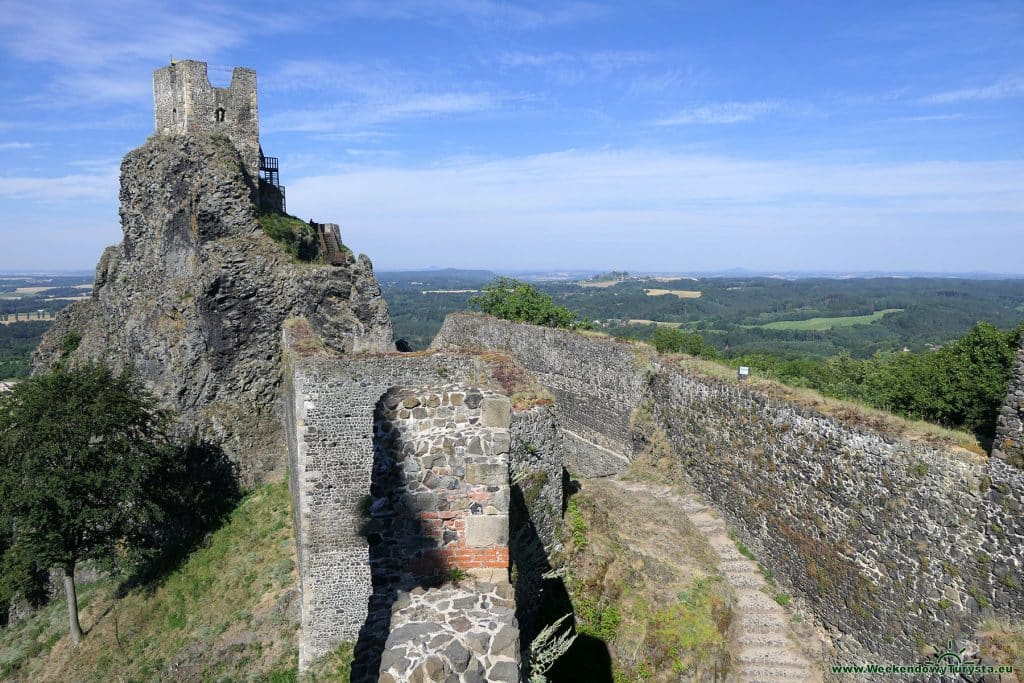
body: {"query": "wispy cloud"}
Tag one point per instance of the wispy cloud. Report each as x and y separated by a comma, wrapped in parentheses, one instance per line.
(1000, 90)
(96, 50)
(721, 113)
(357, 96)
(92, 186)
(7, 146)
(930, 117)
(483, 12)
(644, 207)
(353, 116)
(569, 68)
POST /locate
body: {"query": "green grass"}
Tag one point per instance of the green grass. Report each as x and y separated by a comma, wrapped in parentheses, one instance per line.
(296, 236)
(825, 324)
(222, 614)
(577, 525)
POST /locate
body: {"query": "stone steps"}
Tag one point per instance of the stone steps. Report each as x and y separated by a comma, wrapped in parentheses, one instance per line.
(763, 650)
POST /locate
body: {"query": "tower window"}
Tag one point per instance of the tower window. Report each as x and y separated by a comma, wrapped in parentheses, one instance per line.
(220, 114)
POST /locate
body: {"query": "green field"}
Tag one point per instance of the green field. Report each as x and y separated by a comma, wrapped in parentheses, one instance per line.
(822, 324)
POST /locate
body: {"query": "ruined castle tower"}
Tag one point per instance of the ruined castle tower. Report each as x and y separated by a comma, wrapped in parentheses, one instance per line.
(185, 102)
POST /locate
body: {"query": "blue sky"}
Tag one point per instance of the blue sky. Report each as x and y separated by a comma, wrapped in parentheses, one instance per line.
(674, 136)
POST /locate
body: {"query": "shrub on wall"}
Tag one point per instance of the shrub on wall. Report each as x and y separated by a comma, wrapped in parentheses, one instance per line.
(523, 303)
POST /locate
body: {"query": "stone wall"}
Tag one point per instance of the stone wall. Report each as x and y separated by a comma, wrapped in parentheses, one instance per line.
(440, 488)
(882, 535)
(1009, 441)
(895, 544)
(596, 383)
(330, 403)
(457, 633)
(535, 514)
(536, 468)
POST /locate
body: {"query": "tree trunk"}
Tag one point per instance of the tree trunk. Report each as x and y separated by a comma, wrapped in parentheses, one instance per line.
(72, 596)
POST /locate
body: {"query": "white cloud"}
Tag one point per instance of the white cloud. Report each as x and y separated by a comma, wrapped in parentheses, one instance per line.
(99, 186)
(721, 113)
(1004, 89)
(485, 12)
(340, 118)
(654, 208)
(7, 146)
(96, 48)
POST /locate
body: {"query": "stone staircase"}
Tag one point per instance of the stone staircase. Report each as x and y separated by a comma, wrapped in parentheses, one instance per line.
(764, 651)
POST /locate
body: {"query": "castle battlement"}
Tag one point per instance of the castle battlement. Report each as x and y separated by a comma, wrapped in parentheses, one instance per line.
(184, 101)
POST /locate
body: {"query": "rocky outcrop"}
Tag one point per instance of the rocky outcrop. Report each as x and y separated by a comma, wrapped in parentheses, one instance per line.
(195, 296)
(1009, 441)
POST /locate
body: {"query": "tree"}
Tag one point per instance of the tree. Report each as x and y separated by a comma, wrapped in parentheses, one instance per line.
(671, 340)
(82, 454)
(521, 302)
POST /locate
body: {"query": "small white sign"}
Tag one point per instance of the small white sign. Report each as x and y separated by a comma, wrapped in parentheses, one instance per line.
(743, 373)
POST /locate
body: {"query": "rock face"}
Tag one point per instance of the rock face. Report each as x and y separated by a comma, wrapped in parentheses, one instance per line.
(195, 295)
(1009, 441)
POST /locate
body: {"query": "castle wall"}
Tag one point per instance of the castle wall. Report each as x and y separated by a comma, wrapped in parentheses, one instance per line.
(596, 383)
(330, 407)
(1009, 441)
(894, 544)
(535, 511)
(185, 102)
(535, 463)
(441, 481)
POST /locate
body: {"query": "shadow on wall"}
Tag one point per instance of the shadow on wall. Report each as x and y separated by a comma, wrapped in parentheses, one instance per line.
(542, 599)
(396, 538)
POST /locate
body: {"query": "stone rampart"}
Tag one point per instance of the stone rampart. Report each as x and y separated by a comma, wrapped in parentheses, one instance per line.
(596, 383)
(894, 543)
(881, 534)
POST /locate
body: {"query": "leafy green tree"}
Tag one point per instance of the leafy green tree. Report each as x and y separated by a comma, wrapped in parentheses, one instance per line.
(521, 302)
(671, 340)
(83, 452)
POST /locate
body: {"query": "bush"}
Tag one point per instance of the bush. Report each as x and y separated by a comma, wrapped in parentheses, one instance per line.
(670, 340)
(523, 303)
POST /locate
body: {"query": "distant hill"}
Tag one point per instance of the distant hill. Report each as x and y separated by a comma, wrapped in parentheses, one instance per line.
(443, 278)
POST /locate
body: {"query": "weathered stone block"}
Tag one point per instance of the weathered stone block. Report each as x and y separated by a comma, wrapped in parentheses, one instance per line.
(492, 474)
(495, 411)
(485, 531)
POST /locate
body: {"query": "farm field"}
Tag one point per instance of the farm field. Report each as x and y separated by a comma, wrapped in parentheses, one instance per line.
(681, 293)
(823, 324)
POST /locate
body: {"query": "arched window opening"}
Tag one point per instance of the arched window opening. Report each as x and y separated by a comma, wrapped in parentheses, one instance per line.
(220, 113)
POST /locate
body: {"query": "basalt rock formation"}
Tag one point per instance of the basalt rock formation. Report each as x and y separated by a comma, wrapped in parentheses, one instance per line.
(195, 296)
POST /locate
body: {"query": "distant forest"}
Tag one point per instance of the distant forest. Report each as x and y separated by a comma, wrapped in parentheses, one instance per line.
(812, 318)
(927, 348)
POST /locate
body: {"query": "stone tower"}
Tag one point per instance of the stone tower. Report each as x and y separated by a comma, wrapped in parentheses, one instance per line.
(185, 102)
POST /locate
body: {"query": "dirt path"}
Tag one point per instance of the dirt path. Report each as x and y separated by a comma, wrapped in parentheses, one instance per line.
(764, 650)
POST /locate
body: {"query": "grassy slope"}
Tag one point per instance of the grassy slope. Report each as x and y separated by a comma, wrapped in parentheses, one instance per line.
(646, 586)
(228, 612)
